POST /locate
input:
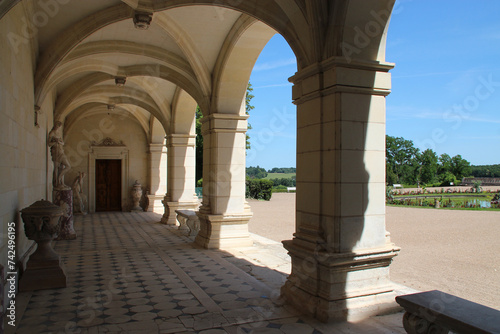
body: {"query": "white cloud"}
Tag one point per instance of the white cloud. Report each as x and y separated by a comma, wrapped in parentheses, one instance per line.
(275, 64)
(410, 112)
(276, 85)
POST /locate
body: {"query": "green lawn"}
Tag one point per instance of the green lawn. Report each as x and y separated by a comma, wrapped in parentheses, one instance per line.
(271, 176)
(465, 201)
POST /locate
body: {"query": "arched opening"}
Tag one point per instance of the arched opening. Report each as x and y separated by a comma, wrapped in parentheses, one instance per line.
(201, 53)
(273, 140)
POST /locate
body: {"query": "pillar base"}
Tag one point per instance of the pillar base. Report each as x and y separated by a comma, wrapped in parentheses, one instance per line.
(170, 216)
(220, 231)
(340, 286)
(156, 204)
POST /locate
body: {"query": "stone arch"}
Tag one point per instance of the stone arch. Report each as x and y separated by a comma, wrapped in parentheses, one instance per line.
(285, 17)
(106, 71)
(94, 108)
(116, 96)
(183, 113)
(157, 132)
(235, 63)
(364, 32)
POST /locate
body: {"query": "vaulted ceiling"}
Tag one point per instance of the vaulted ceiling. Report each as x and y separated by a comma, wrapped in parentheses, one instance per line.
(175, 64)
(193, 52)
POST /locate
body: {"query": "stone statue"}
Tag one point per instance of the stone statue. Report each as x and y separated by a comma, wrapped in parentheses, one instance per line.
(61, 163)
(78, 195)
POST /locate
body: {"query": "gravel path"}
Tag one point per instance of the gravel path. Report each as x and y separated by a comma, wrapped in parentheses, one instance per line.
(455, 251)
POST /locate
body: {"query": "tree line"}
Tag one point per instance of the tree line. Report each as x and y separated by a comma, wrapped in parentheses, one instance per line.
(486, 171)
(286, 170)
(406, 164)
(260, 173)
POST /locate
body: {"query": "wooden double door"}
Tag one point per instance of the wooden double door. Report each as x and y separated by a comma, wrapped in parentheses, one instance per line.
(108, 185)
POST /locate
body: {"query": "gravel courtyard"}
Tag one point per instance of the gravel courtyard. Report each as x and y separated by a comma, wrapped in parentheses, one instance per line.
(454, 251)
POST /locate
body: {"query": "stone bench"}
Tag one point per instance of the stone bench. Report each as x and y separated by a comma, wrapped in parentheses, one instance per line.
(438, 312)
(188, 220)
(395, 186)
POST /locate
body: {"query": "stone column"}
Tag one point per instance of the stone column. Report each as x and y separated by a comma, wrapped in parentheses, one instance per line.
(340, 253)
(158, 177)
(224, 213)
(181, 193)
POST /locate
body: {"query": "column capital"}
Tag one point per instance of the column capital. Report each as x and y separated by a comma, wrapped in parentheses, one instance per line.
(337, 75)
(224, 123)
(157, 148)
(177, 140)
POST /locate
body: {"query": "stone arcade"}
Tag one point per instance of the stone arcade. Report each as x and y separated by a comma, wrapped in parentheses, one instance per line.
(87, 66)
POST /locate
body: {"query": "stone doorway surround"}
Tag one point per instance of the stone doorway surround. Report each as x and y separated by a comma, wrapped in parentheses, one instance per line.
(108, 149)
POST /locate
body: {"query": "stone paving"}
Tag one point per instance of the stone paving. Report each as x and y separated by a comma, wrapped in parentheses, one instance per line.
(127, 273)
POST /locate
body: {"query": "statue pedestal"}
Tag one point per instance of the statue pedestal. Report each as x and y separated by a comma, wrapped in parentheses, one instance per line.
(44, 270)
(64, 199)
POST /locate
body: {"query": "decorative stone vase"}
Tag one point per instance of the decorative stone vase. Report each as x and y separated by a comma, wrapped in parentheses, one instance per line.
(136, 197)
(44, 270)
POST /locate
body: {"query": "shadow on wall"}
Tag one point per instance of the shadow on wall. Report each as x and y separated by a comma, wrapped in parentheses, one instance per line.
(339, 253)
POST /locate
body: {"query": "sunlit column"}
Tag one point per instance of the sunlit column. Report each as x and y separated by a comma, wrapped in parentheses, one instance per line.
(340, 254)
(181, 176)
(158, 177)
(224, 214)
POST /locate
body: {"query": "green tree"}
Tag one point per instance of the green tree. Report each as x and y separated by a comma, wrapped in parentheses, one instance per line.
(428, 166)
(485, 171)
(460, 167)
(401, 156)
(256, 172)
(444, 163)
(248, 107)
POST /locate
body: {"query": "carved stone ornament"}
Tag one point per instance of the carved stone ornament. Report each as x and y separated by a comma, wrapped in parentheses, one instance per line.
(107, 142)
(120, 81)
(142, 20)
(42, 220)
(136, 194)
(44, 270)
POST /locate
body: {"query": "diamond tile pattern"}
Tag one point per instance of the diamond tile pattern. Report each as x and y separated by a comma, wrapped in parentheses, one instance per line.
(128, 273)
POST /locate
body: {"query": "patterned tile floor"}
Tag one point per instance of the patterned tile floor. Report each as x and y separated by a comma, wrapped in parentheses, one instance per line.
(127, 273)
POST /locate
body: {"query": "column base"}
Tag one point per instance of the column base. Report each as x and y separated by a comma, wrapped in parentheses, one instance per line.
(156, 204)
(340, 286)
(220, 232)
(170, 216)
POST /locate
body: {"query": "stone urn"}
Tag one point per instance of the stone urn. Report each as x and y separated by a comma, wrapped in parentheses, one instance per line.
(44, 270)
(136, 197)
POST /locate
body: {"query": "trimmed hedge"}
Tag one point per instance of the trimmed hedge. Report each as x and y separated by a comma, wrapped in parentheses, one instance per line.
(259, 189)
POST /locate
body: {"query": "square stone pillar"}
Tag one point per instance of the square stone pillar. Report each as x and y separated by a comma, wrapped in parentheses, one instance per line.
(340, 253)
(181, 193)
(224, 213)
(157, 177)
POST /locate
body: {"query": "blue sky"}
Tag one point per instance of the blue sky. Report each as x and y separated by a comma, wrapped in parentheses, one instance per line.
(445, 86)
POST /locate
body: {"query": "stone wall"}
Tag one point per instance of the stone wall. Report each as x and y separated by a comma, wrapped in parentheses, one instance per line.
(79, 138)
(23, 164)
(485, 181)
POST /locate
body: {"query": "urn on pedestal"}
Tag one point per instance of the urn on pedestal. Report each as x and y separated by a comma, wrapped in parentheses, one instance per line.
(44, 270)
(136, 197)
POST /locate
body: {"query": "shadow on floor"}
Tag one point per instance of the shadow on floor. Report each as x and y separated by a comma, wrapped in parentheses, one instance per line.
(127, 273)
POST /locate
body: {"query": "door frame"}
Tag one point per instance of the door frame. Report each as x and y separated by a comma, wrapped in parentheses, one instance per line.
(118, 152)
